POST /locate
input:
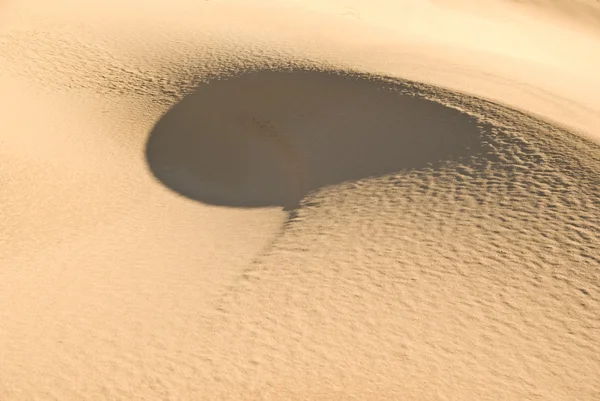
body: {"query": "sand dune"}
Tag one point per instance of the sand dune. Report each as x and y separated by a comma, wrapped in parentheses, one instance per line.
(299, 200)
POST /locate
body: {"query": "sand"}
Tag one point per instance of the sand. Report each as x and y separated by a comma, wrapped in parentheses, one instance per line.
(298, 200)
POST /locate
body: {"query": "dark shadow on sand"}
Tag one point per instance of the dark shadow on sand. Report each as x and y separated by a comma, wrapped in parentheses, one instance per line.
(267, 138)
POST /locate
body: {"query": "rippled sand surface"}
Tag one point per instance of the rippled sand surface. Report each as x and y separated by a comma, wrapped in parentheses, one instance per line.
(307, 200)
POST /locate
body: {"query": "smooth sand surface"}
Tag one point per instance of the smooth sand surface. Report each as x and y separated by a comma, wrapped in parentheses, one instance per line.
(300, 200)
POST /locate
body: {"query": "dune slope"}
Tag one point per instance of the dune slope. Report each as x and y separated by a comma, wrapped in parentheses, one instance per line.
(299, 200)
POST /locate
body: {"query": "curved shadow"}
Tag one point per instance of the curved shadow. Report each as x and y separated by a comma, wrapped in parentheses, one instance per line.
(267, 138)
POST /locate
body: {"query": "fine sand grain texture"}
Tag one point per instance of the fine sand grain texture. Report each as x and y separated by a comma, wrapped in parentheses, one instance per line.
(300, 200)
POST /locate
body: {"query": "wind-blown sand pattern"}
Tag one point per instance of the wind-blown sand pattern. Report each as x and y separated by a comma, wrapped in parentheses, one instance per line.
(300, 200)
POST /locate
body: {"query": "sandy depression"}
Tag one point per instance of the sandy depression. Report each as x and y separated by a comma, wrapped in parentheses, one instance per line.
(299, 200)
